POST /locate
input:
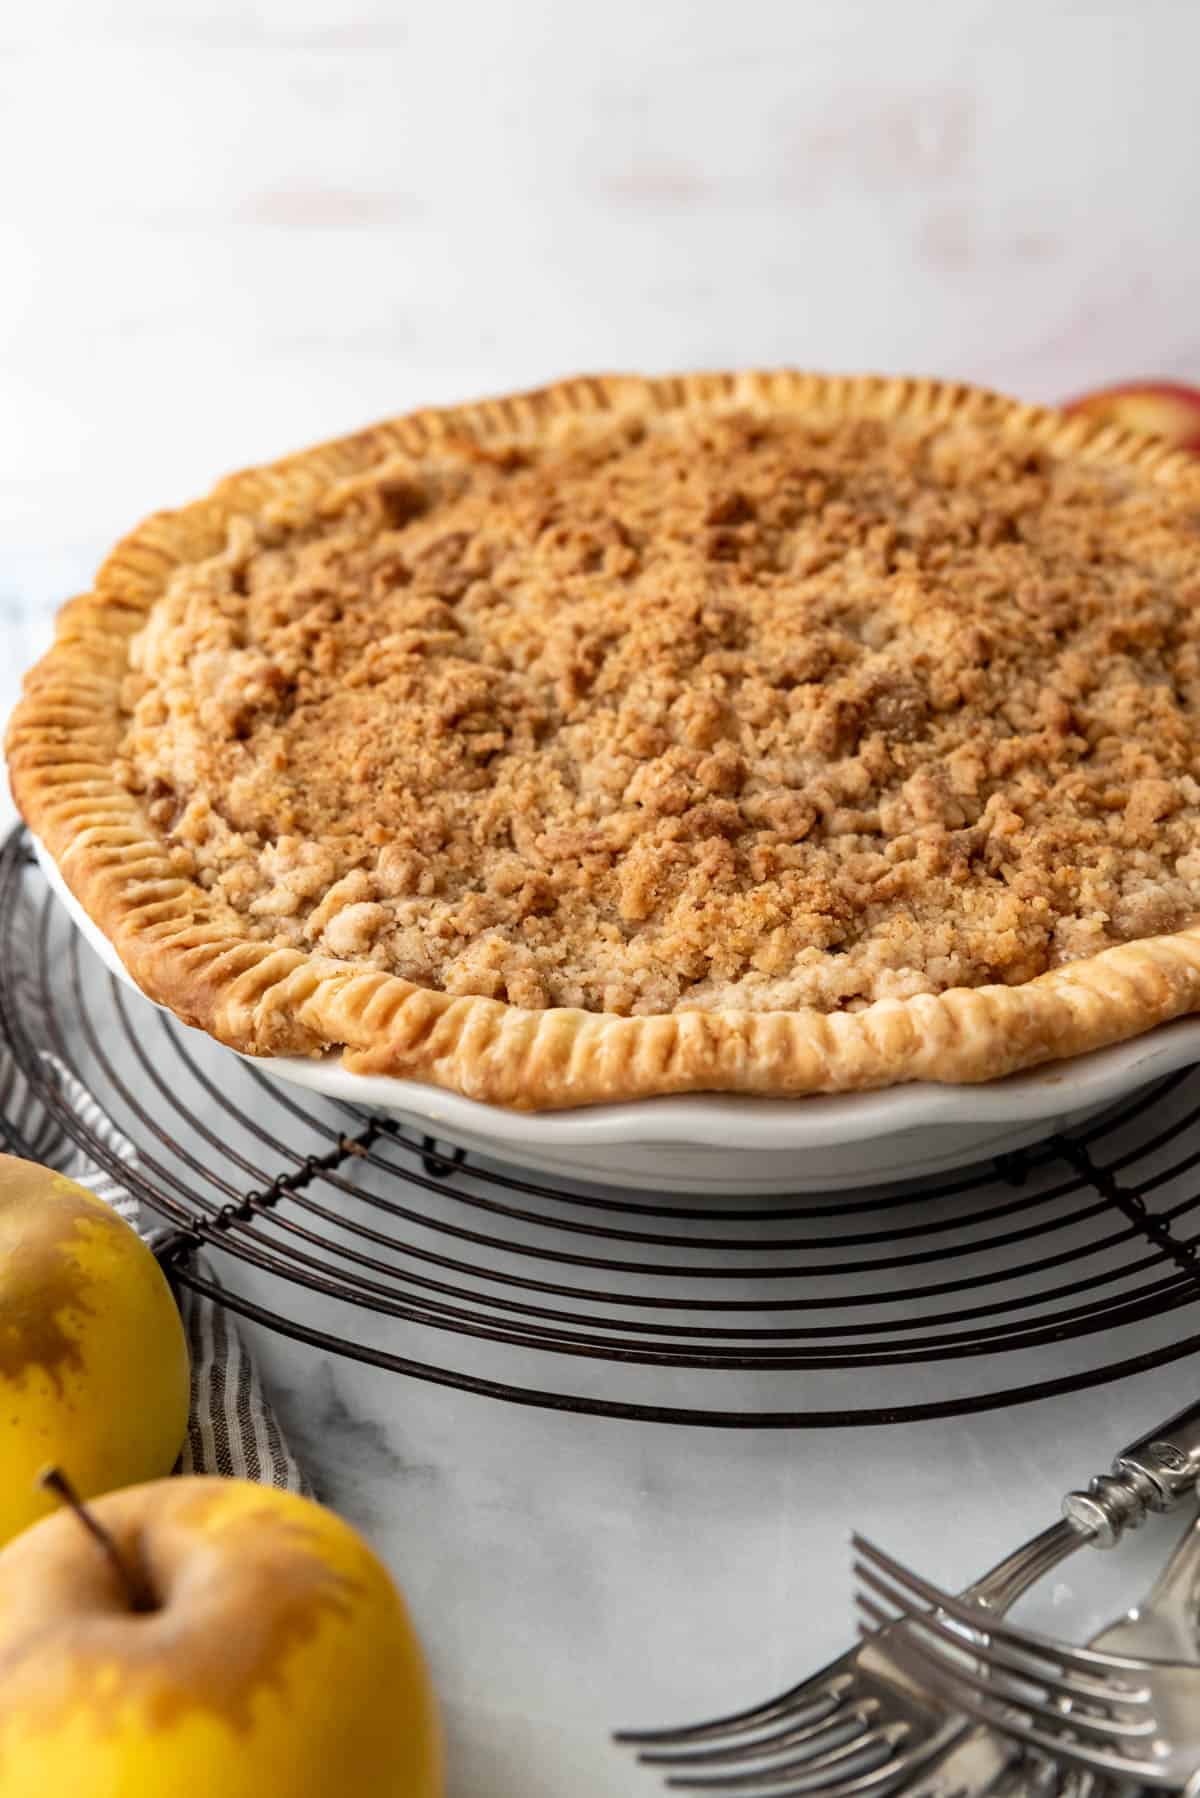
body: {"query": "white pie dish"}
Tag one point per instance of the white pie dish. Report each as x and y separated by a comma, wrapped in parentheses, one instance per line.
(727, 1144)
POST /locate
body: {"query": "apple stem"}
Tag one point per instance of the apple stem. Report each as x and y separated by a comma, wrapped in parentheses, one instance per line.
(137, 1587)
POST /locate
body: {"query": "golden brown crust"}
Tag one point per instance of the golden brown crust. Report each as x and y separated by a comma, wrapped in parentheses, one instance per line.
(191, 953)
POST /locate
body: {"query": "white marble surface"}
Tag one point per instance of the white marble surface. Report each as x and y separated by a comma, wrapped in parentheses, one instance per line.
(231, 227)
(569, 1575)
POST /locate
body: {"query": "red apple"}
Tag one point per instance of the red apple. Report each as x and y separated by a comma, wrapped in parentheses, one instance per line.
(1156, 408)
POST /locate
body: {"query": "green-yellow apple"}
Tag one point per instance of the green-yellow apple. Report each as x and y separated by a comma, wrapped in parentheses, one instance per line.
(1159, 408)
(93, 1359)
(221, 1638)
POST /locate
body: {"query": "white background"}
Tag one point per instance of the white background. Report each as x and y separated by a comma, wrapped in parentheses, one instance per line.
(230, 229)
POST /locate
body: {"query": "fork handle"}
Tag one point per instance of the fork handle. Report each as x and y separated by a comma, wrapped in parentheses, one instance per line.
(1000, 1588)
(1155, 1473)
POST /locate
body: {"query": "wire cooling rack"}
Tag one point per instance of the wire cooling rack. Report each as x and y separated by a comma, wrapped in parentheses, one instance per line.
(1061, 1267)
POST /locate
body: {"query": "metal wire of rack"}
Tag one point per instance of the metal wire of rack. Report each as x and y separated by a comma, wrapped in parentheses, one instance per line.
(1058, 1268)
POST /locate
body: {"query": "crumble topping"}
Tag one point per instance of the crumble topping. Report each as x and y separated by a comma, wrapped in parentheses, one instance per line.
(673, 714)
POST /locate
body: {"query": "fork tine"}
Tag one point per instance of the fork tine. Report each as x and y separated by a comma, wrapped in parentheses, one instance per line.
(1085, 1660)
(798, 1776)
(1107, 1728)
(830, 1732)
(893, 1773)
(823, 1692)
(973, 1700)
(1027, 1665)
(880, 1782)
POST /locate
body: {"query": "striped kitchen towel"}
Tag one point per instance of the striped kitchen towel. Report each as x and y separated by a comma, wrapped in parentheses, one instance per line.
(232, 1428)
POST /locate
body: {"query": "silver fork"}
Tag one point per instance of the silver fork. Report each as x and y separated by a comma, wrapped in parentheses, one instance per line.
(863, 1725)
(1116, 1715)
(1163, 1624)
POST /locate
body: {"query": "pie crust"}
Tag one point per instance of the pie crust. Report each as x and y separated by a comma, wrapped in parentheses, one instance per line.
(1105, 829)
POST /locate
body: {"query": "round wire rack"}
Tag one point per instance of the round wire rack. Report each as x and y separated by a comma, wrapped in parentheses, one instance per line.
(1063, 1266)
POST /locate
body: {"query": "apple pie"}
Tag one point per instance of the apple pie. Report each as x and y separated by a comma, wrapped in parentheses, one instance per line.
(767, 733)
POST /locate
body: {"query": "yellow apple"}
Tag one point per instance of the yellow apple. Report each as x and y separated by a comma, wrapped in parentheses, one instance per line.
(1159, 408)
(93, 1360)
(274, 1658)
